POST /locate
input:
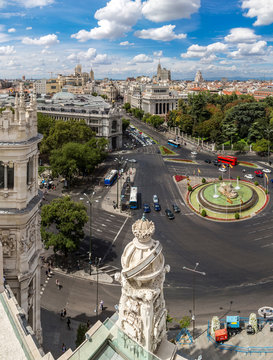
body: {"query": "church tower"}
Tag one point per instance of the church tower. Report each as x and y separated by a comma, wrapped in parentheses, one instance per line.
(19, 205)
(142, 312)
(92, 78)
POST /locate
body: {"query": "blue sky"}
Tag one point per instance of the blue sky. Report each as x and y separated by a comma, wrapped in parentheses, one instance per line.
(121, 38)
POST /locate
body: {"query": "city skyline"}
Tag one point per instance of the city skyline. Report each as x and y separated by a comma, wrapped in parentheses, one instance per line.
(121, 38)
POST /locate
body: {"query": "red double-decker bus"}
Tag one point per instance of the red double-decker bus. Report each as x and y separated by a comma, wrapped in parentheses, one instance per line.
(226, 159)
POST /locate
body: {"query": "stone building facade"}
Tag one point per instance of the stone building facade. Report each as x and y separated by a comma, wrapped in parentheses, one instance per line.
(19, 206)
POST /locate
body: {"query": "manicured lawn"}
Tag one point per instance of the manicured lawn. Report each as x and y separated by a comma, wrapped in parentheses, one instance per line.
(165, 151)
(182, 161)
(247, 164)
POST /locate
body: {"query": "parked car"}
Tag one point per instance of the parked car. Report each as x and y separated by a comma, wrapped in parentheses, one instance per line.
(155, 199)
(157, 207)
(146, 208)
(169, 214)
(176, 209)
(208, 161)
(267, 171)
(249, 176)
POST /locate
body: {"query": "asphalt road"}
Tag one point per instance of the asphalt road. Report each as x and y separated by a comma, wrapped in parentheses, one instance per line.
(237, 257)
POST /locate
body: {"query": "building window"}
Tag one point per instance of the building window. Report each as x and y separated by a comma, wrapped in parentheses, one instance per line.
(29, 171)
(2, 170)
(10, 170)
(6, 175)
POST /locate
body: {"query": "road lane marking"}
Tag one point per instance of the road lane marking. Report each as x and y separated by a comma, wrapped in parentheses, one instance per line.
(261, 238)
(267, 245)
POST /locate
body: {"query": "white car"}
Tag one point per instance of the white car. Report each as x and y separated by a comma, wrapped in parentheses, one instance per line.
(155, 199)
(268, 171)
(249, 176)
(132, 160)
(193, 152)
(222, 169)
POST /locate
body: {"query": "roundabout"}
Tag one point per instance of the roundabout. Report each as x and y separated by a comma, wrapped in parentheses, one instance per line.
(227, 200)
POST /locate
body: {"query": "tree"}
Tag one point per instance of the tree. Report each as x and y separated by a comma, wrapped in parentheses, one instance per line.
(74, 158)
(45, 123)
(239, 146)
(94, 93)
(66, 131)
(125, 124)
(261, 147)
(62, 223)
(127, 106)
(81, 331)
(184, 322)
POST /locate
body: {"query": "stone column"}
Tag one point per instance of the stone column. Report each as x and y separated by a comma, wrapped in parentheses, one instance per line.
(5, 176)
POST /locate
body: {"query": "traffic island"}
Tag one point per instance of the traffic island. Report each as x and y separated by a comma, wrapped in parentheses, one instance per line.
(229, 200)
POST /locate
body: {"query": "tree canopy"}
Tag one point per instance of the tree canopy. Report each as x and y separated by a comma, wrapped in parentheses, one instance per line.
(62, 223)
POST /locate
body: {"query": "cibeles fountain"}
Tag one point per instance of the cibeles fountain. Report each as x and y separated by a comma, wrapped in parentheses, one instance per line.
(142, 311)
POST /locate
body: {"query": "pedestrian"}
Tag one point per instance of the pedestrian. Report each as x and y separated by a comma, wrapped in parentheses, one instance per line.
(63, 348)
(78, 264)
(68, 322)
(101, 305)
(57, 283)
(46, 272)
(64, 312)
(88, 324)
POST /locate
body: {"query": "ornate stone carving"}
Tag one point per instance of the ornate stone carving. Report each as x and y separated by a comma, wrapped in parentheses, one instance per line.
(8, 241)
(228, 190)
(142, 312)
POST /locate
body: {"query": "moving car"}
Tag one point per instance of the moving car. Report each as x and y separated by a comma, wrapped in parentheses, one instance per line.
(146, 208)
(157, 207)
(132, 160)
(208, 161)
(194, 152)
(155, 199)
(268, 171)
(259, 173)
(249, 176)
(176, 209)
(169, 214)
(222, 169)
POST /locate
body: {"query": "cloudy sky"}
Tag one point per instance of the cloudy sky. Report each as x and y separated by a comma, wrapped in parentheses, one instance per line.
(120, 38)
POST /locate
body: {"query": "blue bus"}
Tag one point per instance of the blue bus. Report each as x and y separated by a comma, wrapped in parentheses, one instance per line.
(110, 177)
(174, 143)
(133, 198)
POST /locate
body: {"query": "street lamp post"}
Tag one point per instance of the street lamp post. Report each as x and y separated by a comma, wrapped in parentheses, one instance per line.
(268, 132)
(119, 161)
(90, 230)
(97, 264)
(194, 271)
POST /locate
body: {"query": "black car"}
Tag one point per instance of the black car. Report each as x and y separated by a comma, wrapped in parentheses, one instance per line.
(215, 162)
(208, 161)
(169, 214)
(176, 209)
(260, 175)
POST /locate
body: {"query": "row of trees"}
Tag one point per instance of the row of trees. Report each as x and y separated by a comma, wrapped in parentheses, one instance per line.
(70, 146)
(238, 120)
(155, 120)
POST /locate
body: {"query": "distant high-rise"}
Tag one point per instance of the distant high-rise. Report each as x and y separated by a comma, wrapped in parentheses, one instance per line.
(163, 74)
(198, 77)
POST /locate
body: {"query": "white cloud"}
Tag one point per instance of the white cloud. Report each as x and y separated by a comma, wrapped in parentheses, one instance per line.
(7, 50)
(11, 30)
(101, 59)
(158, 53)
(165, 10)
(141, 58)
(28, 28)
(4, 37)
(241, 35)
(114, 20)
(45, 51)
(83, 55)
(126, 43)
(46, 40)
(164, 33)
(34, 3)
(262, 9)
(257, 49)
(205, 53)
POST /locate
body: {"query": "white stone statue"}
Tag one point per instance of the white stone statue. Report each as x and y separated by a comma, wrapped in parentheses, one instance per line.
(228, 190)
(142, 312)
